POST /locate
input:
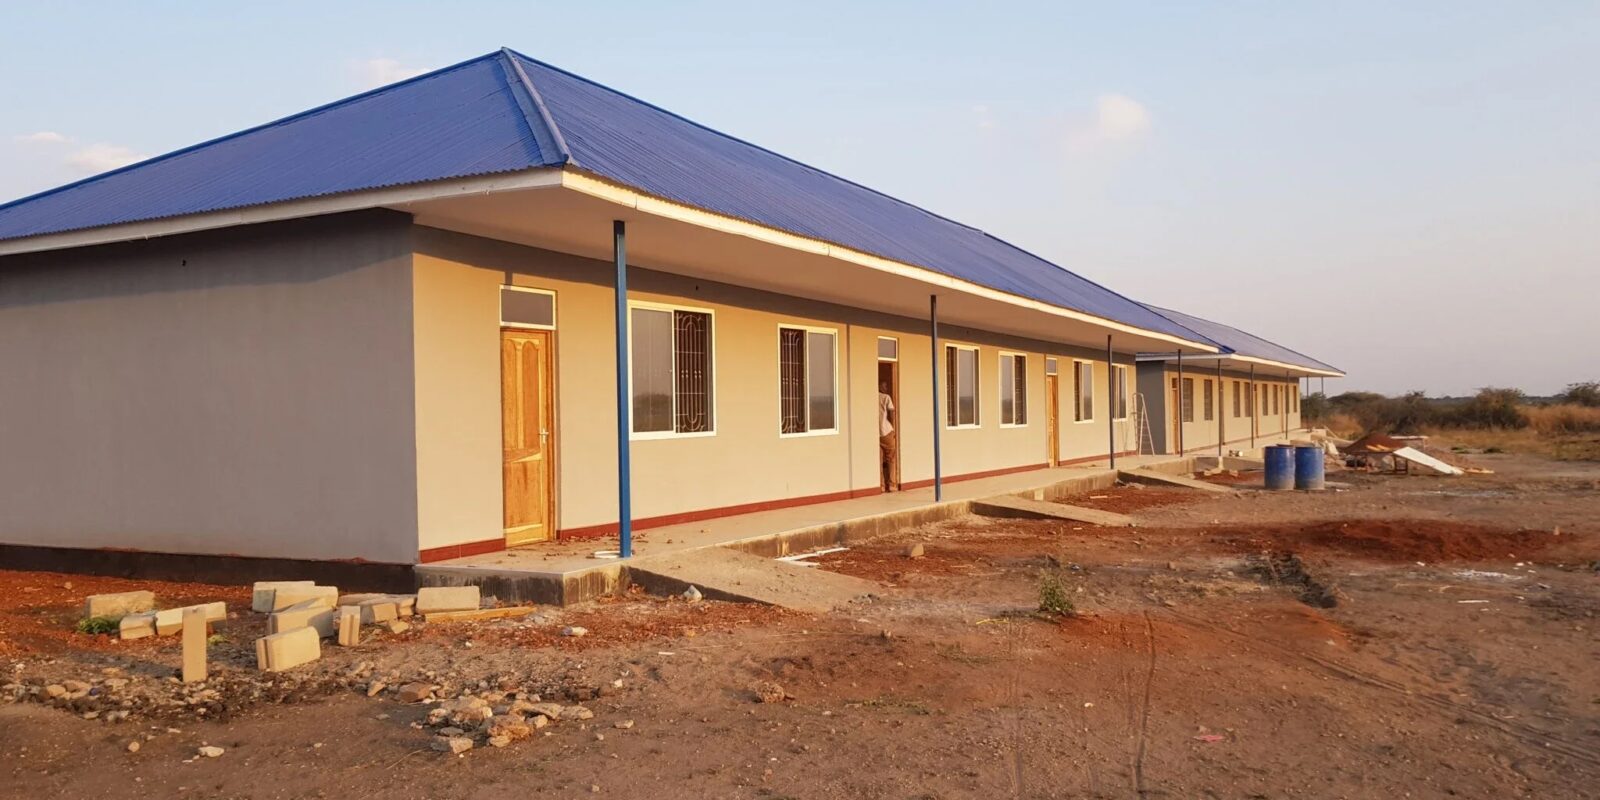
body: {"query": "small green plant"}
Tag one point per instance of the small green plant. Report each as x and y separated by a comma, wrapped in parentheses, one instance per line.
(215, 639)
(98, 625)
(1053, 598)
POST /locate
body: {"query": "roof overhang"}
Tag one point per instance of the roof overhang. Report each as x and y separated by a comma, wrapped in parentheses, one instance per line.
(570, 211)
(1236, 359)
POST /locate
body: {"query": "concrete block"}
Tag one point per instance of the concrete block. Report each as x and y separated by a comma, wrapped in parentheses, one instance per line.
(280, 651)
(119, 605)
(373, 613)
(261, 593)
(309, 613)
(138, 626)
(170, 620)
(447, 598)
(361, 597)
(194, 644)
(349, 626)
(294, 595)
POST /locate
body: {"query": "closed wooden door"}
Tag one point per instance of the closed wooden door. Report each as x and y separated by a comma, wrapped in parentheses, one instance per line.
(527, 436)
(1177, 418)
(1052, 418)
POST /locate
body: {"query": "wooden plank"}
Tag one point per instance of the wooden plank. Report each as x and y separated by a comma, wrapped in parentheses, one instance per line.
(1021, 507)
(479, 614)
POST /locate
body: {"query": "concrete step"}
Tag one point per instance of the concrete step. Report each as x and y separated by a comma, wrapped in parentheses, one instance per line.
(1023, 508)
(1163, 479)
(724, 574)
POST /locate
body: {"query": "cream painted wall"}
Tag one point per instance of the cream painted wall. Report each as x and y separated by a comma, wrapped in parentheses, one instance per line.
(246, 392)
(746, 461)
(1201, 433)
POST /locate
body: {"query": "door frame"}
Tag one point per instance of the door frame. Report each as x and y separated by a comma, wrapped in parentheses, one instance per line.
(553, 449)
(895, 416)
(1052, 422)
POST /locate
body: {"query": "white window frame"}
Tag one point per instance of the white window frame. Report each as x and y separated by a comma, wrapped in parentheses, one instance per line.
(525, 325)
(880, 341)
(1119, 382)
(1001, 370)
(1081, 394)
(1050, 365)
(806, 370)
(716, 375)
(977, 387)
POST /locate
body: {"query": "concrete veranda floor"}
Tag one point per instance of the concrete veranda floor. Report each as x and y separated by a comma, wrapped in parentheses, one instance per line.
(570, 571)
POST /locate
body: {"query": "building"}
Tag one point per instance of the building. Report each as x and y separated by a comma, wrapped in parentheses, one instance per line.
(1228, 400)
(389, 330)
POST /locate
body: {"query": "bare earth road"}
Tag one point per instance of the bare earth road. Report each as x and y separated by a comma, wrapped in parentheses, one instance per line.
(1405, 637)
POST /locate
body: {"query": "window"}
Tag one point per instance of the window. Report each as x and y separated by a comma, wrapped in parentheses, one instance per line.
(1049, 366)
(888, 349)
(961, 386)
(1186, 402)
(807, 380)
(1236, 386)
(1264, 402)
(671, 374)
(1294, 399)
(1277, 392)
(1119, 387)
(1083, 391)
(1209, 401)
(521, 307)
(1013, 389)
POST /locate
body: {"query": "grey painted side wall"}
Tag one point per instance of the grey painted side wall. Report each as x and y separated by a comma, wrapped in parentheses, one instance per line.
(1151, 379)
(246, 391)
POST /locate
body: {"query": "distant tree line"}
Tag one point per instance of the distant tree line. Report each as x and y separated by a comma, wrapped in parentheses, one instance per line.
(1575, 410)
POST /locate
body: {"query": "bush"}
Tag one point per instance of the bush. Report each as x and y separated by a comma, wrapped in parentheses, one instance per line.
(1490, 408)
(1053, 598)
(1586, 394)
(98, 625)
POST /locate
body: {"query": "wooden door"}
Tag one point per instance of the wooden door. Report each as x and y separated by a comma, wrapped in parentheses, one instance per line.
(527, 435)
(1176, 409)
(1052, 417)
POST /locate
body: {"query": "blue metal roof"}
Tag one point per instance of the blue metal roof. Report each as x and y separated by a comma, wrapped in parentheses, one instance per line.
(1239, 342)
(505, 112)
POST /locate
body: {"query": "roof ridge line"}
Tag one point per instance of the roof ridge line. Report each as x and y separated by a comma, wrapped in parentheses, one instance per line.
(545, 123)
(1166, 311)
(236, 134)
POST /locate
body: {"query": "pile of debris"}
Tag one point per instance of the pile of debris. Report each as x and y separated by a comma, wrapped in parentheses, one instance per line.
(493, 718)
(1396, 454)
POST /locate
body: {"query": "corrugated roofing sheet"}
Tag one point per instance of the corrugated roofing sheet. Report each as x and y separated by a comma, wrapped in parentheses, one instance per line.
(505, 112)
(1242, 343)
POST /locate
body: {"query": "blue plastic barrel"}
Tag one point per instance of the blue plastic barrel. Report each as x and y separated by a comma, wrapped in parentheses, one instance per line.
(1308, 466)
(1280, 467)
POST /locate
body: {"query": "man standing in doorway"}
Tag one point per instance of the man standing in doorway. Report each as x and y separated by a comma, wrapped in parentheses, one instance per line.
(886, 437)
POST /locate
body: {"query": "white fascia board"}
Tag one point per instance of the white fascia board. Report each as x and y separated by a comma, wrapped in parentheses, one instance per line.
(290, 209)
(624, 196)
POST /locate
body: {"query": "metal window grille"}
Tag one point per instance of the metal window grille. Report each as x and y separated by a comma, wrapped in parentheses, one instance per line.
(1186, 400)
(1210, 401)
(792, 380)
(1083, 391)
(1119, 386)
(692, 368)
(1019, 366)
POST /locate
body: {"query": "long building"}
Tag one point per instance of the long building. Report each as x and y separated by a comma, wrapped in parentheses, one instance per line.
(500, 304)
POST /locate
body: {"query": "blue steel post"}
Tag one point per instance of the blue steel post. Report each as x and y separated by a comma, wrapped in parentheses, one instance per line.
(1111, 407)
(619, 248)
(933, 326)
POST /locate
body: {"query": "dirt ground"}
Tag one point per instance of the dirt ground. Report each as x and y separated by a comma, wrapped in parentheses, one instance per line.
(1397, 637)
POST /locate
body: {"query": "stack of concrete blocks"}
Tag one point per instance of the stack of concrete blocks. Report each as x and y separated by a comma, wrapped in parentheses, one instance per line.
(280, 651)
(303, 606)
(167, 621)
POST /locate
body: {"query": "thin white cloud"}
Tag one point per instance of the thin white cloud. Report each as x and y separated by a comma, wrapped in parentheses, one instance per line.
(375, 72)
(97, 158)
(985, 119)
(1116, 118)
(42, 137)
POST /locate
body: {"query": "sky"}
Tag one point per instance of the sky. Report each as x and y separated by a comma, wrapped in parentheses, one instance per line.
(1409, 191)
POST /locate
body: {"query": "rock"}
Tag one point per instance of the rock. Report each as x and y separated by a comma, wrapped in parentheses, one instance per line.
(75, 686)
(509, 728)
(415, 692)
(451, 731)
(375, 687)
(692, 595)
(133, 746)
(915, 551)
(551, 710)
(576, 713)
(55, 690)
(574, 630)
(499, 741)
(454, 745)
(397, 626)
(622, 725)
(210, 751)
(438, 716)
(769, 692)
(539, 721)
